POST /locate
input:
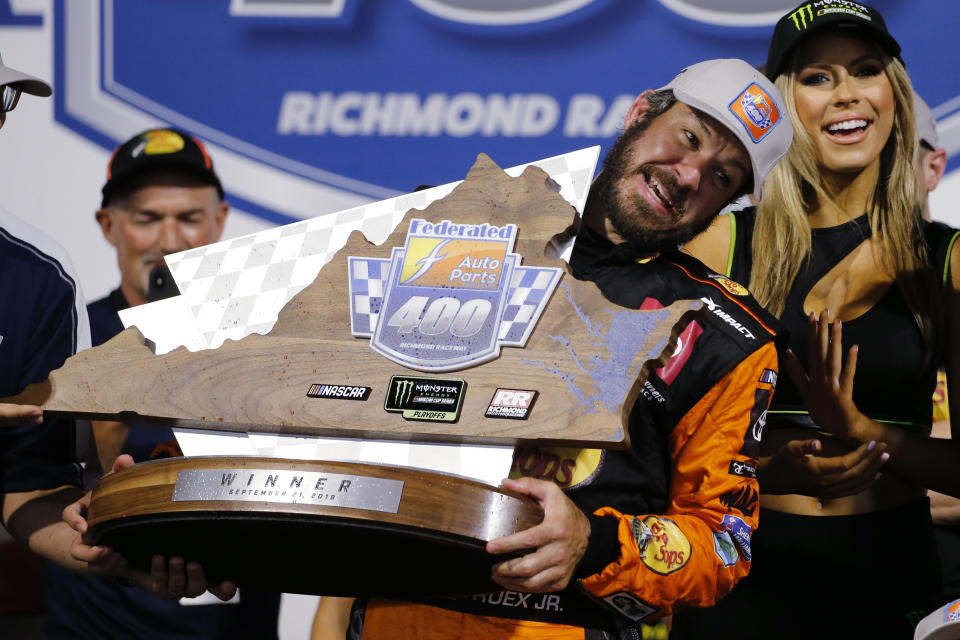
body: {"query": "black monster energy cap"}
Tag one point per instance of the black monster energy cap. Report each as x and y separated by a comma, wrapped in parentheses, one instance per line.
(812, 17)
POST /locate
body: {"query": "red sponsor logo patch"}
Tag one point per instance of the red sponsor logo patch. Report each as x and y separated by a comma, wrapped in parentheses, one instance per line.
(668, 372)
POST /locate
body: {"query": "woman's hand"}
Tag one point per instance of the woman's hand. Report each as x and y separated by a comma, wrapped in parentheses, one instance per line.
(827, 385)
(798, 468)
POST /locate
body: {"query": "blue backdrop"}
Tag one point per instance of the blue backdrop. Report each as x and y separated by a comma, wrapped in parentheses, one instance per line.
(375, 97)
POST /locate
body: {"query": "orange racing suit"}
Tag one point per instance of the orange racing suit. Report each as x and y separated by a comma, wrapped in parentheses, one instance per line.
(671, 517)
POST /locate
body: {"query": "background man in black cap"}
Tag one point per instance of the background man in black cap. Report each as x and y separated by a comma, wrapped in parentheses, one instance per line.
(161, 196)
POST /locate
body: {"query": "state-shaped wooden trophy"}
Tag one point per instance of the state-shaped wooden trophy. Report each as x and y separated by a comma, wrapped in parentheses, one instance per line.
(464, 326)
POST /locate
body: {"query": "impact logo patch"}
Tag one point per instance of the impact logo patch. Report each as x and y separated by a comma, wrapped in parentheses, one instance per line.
(425, 399)
(668, 550)
(629, 605)
(450, 298)
(515, 404)
(757, 111)
(338, 391)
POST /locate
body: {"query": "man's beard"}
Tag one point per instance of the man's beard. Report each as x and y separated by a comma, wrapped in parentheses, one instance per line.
(629, 213)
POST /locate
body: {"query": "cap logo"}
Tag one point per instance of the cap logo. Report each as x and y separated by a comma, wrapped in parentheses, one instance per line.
(756, 110)
(158, 142)
(803, 16)
(952, 612)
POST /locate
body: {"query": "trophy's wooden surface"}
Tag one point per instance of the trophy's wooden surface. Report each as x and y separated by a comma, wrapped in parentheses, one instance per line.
(432, 544)
(586, 358)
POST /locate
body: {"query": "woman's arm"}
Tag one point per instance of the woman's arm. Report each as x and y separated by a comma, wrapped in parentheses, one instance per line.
(827, 388)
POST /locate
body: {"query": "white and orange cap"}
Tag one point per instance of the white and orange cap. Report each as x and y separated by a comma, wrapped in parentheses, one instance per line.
(746, 102)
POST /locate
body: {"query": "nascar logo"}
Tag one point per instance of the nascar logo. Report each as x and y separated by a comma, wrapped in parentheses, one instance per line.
(338, 391)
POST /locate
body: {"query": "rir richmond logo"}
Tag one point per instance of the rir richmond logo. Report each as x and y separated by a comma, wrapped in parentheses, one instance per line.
(450, 298)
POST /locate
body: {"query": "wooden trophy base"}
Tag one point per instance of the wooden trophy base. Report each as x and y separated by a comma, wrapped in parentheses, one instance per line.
(325, 528)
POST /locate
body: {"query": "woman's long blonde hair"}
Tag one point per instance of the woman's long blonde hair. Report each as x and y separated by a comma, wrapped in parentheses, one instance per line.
(782, 236)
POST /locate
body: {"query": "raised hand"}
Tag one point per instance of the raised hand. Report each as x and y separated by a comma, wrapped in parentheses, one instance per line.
(826, 386)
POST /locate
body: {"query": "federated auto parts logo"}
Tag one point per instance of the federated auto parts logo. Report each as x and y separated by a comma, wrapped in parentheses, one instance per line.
(450, 298)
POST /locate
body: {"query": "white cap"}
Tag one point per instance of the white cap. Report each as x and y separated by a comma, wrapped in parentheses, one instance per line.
(942, 624)
(746, 102)
(28, 84)
(926, 124)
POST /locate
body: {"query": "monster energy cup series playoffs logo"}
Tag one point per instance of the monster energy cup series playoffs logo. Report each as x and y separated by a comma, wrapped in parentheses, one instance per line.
(426, 399)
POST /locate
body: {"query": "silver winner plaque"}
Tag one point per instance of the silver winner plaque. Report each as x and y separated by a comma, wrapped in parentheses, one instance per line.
(289, 486)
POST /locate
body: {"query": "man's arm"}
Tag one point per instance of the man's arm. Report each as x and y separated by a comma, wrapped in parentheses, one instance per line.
(34, 518)
(690, 556)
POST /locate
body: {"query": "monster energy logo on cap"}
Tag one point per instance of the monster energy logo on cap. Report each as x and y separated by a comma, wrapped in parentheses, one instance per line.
(803, 16)
(427, 399)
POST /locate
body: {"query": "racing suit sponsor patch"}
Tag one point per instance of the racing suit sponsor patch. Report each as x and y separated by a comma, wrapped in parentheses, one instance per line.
(685, 341)
(742, 469)
(629, 605)
(769, 376)
(724, 548)
(758, 420)
(744, 499)
(668, 549)
(642, 534)
(740, 532)
(731, 286)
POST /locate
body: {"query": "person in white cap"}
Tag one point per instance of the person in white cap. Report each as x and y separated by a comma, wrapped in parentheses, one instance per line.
(631, 536)
(931, 157)
(944, 510)
(942, 624)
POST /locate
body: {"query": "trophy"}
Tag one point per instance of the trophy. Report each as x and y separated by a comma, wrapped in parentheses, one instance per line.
(463, 326)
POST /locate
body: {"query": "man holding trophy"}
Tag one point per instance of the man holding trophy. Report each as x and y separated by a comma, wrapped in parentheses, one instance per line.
(631, 536)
